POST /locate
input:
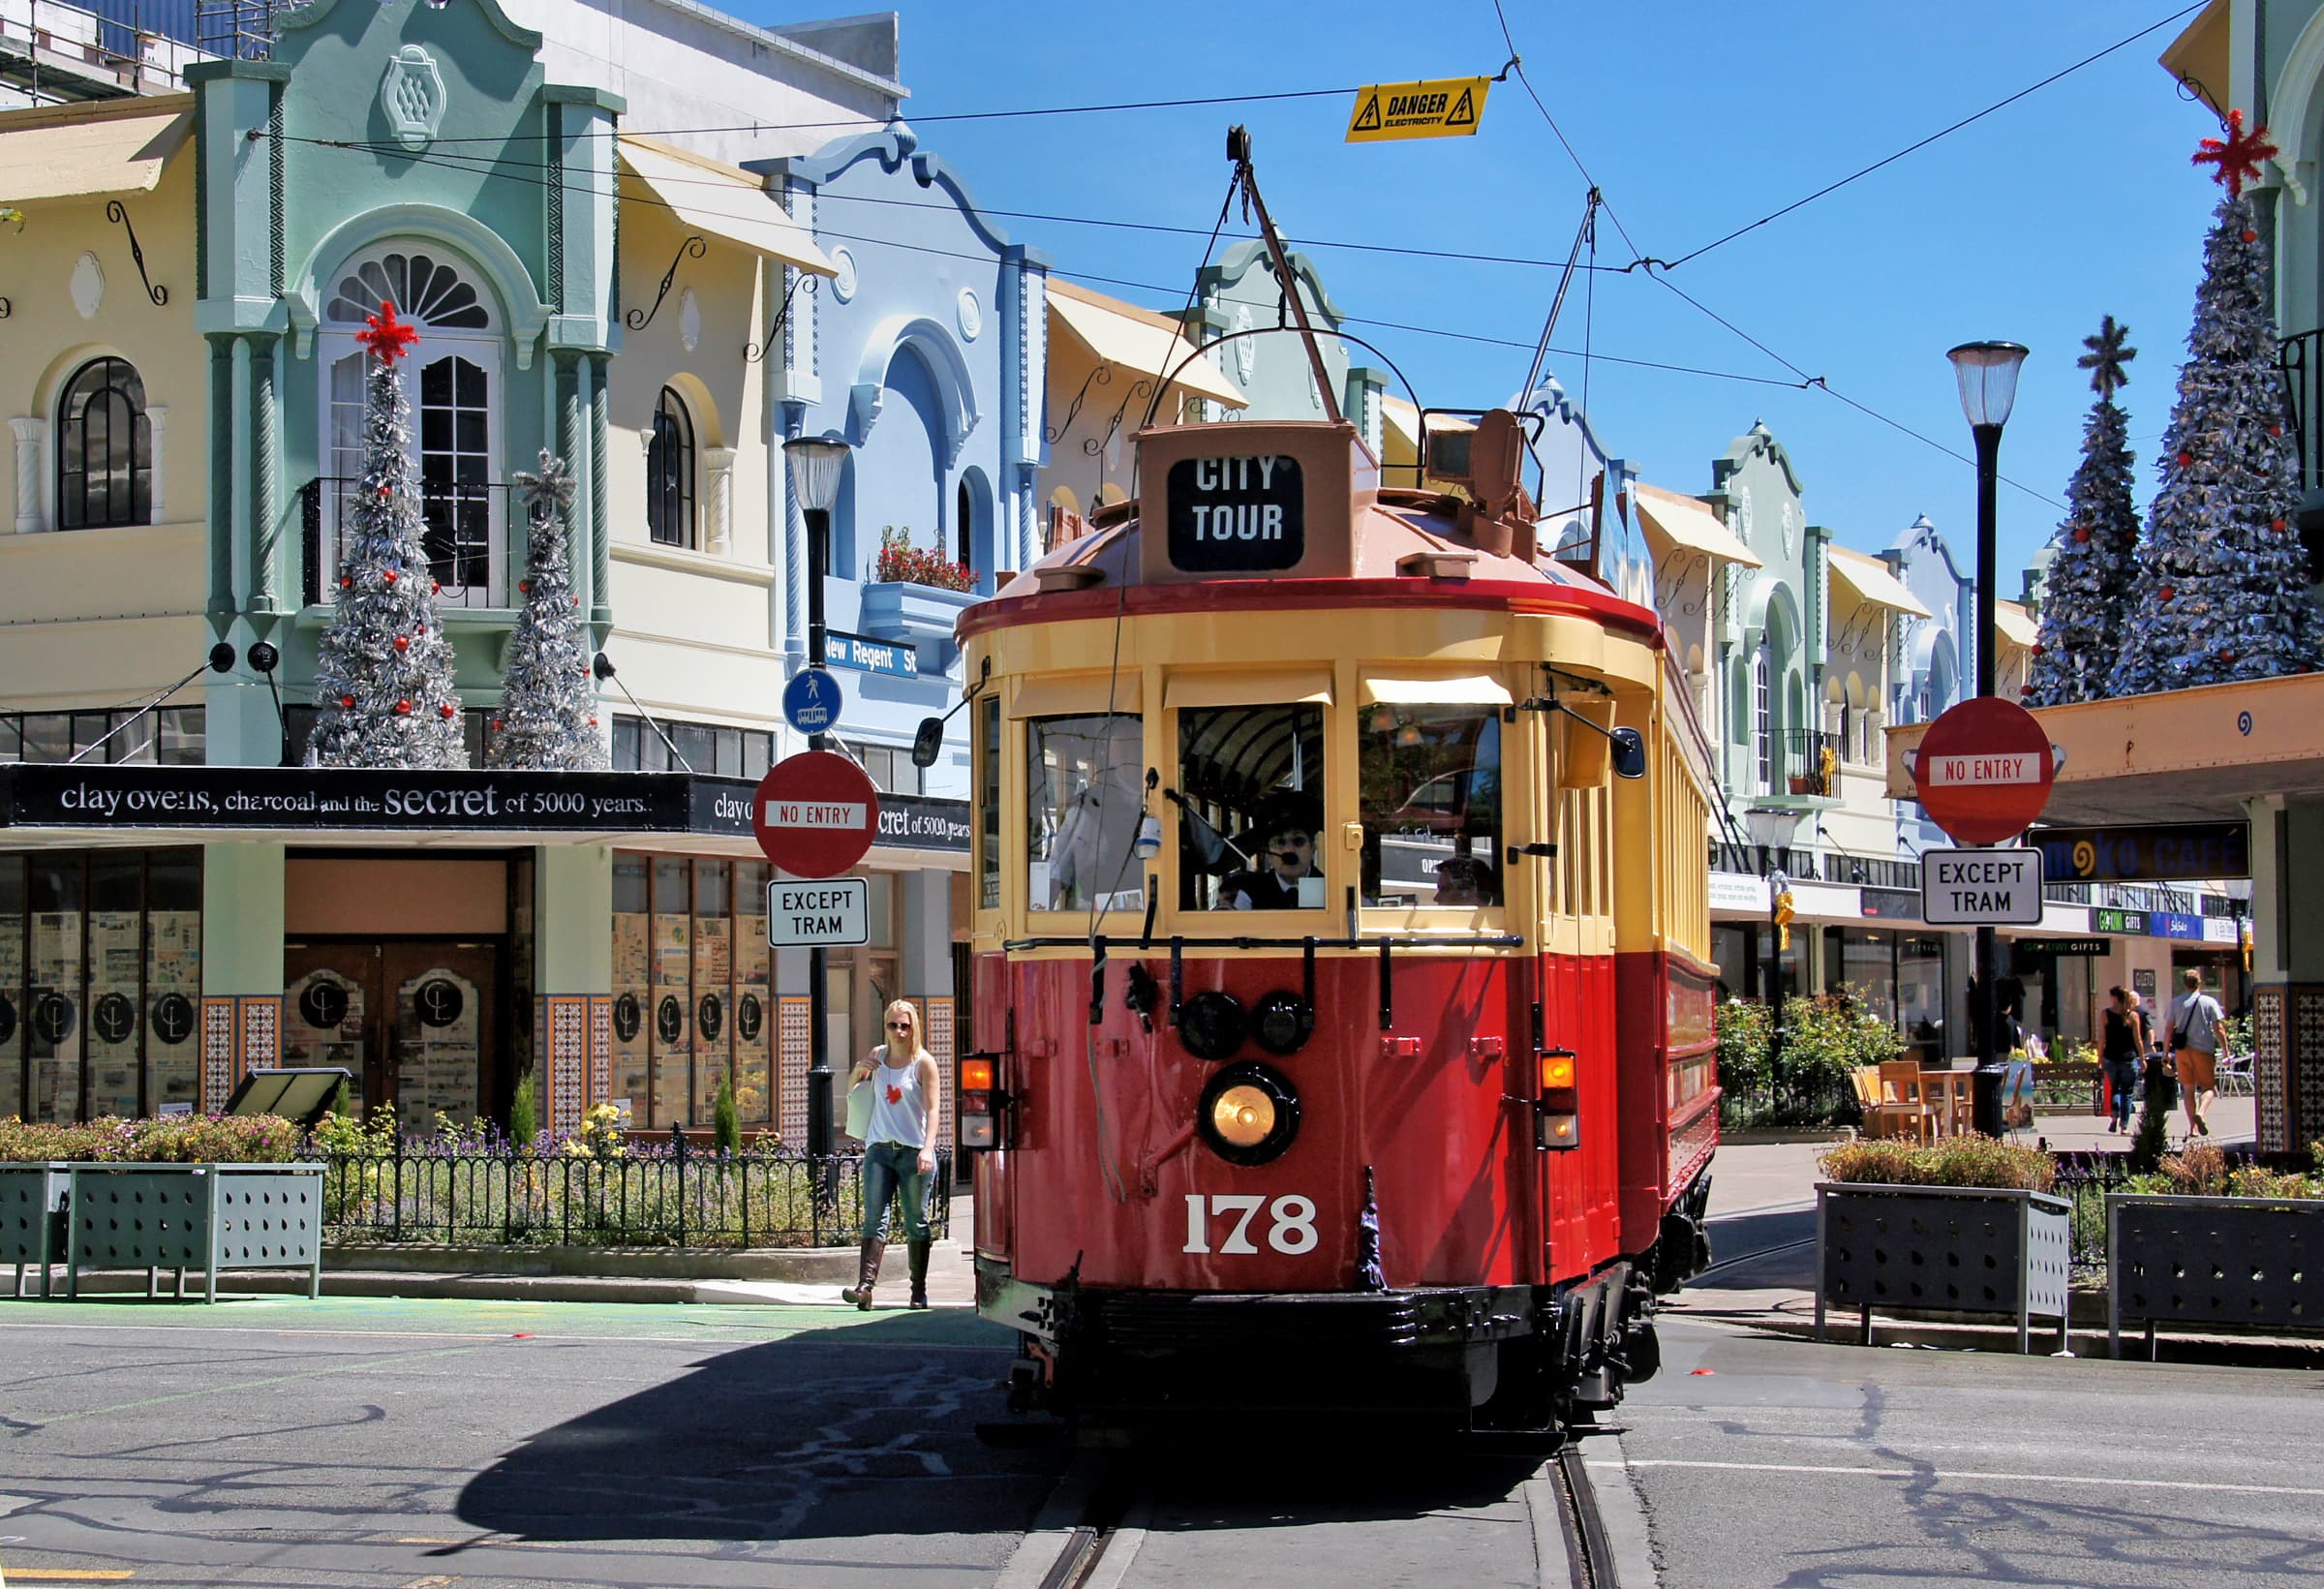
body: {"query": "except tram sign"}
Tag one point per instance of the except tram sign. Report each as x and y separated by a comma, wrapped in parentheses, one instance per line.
(1980, 887)
(815, 814)
(1984, 770)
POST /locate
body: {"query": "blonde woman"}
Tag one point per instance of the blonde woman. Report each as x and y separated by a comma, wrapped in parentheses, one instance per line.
(900, 1149)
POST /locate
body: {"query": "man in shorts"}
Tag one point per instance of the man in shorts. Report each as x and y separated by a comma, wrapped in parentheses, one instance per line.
(2191, 1032)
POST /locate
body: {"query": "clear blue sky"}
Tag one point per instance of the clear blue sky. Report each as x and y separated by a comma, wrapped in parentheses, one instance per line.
(2075, 203)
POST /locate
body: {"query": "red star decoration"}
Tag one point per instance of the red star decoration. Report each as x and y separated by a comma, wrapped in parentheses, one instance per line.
(390, 338)
(2236, 156)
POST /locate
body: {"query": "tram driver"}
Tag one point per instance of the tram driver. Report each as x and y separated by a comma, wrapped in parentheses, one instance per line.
(1284, 860)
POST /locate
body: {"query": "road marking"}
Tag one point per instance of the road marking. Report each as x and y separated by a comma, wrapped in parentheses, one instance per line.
(248, 1384)
(2109, 1481)
(74, 1574)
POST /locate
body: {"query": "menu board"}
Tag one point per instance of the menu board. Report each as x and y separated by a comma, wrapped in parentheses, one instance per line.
(439, 1020)
(52, 1018)
(172, 1007)
(632, 1010)
(116, 962)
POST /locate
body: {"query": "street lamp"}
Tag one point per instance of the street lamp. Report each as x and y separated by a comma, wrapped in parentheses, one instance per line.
(816, 463)
(1988, 375)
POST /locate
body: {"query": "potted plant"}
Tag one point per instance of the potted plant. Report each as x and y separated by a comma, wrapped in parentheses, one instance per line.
(913, 594)
(2208, 1243)
(1965, 1225)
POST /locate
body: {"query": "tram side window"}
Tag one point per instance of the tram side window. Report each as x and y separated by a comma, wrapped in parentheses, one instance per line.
(1431, 796)
(1082, 785)
(1250, 831)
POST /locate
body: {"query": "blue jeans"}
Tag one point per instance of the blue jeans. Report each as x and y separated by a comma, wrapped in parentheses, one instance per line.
(2122, 1079)
(892, 1175)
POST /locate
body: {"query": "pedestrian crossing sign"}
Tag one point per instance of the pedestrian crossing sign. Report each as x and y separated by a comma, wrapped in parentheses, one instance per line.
(1447, 107)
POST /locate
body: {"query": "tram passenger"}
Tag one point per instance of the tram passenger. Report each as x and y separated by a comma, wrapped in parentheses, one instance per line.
(899, 1152)
(1285, 831)
(1465, 880)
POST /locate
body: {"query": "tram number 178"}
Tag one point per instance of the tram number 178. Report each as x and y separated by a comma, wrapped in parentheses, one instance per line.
(1291, 1228)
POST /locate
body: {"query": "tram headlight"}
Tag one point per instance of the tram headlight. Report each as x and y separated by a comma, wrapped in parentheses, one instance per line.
(1248, 1115)
(1282, 1022)
(1212, 1024)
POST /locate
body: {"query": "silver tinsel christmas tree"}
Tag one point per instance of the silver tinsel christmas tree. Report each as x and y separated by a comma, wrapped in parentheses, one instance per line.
(383, 674)
(2085, 597)
(2223, 575)
(547, 720)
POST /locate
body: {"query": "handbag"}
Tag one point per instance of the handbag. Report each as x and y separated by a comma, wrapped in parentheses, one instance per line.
(860, 1098)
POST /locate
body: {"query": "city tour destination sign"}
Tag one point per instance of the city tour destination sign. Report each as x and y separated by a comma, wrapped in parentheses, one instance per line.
(1983, 773)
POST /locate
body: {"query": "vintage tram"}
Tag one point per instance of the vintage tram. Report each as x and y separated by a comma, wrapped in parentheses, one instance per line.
(1341, 993)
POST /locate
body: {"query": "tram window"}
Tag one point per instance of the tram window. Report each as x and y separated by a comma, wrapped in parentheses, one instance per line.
(1251, 829)
(988, 796)
(1083, 784)
(1429, 779)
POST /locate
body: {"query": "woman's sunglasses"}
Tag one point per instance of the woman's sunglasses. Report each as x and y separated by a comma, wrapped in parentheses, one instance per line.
(899, 1026)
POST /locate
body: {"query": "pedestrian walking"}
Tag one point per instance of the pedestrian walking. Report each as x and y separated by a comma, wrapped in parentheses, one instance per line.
(899, 1152)
(2191, 1032)
(2123, 1040)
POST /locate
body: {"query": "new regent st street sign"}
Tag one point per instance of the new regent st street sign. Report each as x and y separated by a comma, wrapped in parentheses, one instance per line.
(247, 799)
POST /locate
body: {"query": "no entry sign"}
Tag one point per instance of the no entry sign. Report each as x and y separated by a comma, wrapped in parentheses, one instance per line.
(1984, 771)
(814, 813)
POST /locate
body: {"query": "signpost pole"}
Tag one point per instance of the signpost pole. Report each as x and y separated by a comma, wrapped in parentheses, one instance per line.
(815, 464)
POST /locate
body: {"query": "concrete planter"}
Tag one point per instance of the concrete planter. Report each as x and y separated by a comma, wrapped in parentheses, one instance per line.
(898, 610)
(2235, 1262)
(199, 1216)
(1946, 1249)
(32, 1218)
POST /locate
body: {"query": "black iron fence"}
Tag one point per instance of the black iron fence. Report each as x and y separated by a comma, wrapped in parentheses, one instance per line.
(1804, 1098)
(653, 1195)
(458, 523)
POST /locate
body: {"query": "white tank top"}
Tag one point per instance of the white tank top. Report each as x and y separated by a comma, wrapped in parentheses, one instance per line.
(899, 1113)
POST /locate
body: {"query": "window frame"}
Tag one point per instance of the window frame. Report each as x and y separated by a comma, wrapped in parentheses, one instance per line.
(72, 419)
(672, 518)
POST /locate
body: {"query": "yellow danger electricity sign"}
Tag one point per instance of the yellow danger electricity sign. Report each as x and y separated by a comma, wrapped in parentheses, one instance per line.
(1450, 107)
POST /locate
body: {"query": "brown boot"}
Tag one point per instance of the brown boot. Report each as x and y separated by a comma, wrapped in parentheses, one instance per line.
(860, 1293)
(916, 1254)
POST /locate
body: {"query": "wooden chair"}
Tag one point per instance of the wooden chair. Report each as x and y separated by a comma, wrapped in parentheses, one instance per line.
(1882, 1118)
(1900, 1092)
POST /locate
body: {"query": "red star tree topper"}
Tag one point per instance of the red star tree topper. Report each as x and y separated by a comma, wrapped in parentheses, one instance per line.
(390, 338)
(2236, 157)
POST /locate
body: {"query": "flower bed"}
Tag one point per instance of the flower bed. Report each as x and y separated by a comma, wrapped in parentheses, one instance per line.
(171, 1138)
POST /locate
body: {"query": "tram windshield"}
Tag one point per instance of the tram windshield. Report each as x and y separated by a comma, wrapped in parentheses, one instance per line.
(1251, 815)
(1429, 777)
(1082, 778)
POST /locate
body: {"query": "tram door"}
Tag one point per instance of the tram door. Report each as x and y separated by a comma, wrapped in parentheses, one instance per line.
(414, 1020)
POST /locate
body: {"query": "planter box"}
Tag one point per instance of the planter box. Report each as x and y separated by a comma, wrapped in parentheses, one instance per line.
(205, 1216)
(899, 610)
(2239, 1263)
(1947, 1249)
(32, 1218)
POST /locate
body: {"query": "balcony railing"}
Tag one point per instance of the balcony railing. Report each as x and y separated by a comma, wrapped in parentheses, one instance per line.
(463, 537)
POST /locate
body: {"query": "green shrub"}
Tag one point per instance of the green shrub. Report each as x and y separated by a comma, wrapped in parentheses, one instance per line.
(725, 1125)
(1744, 1029)
(174, 1138)
(1955, 1161)
(524, 1111)
(2152, 1136)
(1830, 1035)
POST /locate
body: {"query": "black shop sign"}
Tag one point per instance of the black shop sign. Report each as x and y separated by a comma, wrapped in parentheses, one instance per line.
(1236, 516)
(2162, 852)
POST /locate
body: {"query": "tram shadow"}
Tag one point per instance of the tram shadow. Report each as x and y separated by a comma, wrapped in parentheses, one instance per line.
(833, 1432)
(1761, 1251)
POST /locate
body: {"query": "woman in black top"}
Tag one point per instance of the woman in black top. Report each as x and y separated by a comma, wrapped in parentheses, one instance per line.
(2124, 1041)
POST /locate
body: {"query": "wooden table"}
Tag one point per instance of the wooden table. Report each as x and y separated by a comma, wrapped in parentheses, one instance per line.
(1950, 1097)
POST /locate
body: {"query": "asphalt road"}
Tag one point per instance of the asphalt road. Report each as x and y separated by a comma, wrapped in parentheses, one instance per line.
(280, 1441)
(1764, 1462)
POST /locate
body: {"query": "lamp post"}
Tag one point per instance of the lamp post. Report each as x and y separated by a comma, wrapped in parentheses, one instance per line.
(816, 463)
(1988, 375)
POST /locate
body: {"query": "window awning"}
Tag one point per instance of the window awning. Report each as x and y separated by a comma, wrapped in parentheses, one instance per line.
(1686, 522)
(2014, 624)
(1450, 689)
(721, 201)
(1130, 337)
(84, 154)
(1086, 695)
(1250, 688)
(1869, 578)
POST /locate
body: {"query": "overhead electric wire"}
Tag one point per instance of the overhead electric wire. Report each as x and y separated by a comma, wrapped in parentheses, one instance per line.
(1944, 132)
(483, 165)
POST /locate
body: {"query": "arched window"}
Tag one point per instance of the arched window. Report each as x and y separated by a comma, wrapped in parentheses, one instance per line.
(963, 515)
(1763, 718)
(103, 448)
(670, 473)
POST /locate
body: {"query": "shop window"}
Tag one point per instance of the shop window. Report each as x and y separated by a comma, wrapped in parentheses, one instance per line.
(754, 1012)
(13, 923)
(672, 1015)
(1429, 781)
(1252, 777)
(12, 739)
(697, 744)
(670, 473)
(633, 986)
(1083, 805)
(713, 985)
(105, 448)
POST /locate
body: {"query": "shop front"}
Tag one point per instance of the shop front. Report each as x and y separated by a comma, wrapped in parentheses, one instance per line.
(165, 930)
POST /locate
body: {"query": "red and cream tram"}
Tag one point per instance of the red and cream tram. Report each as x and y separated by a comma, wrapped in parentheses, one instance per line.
(1342, 978)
